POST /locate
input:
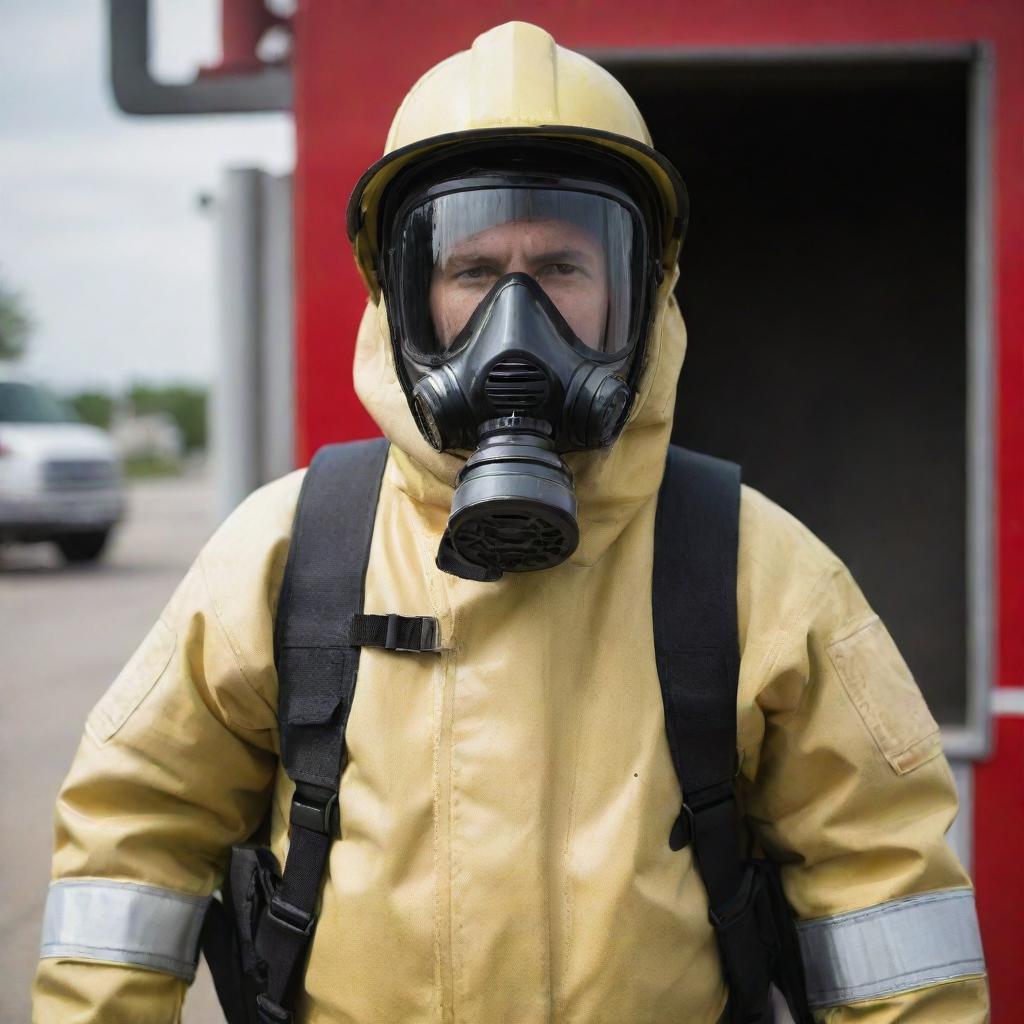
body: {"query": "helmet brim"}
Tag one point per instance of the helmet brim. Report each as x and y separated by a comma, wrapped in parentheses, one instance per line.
(365, 203)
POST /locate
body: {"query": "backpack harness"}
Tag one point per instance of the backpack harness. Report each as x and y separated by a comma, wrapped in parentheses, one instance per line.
(256, 940)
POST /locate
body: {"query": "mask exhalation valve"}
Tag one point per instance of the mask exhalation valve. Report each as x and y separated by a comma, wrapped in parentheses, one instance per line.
(514, 508)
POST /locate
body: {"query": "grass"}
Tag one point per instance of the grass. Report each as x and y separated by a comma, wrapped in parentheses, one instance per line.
(144, 467)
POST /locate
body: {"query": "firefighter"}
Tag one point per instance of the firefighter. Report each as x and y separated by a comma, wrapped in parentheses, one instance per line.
(505, 800)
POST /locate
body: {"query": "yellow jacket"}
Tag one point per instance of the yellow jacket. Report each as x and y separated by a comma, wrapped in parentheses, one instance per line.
(507, 803)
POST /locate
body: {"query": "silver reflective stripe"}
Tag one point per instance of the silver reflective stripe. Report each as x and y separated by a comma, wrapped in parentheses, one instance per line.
(96, 919)
(893, 947)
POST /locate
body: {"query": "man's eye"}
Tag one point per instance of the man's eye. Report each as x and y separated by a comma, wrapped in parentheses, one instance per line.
(472, 274)
(561, 269)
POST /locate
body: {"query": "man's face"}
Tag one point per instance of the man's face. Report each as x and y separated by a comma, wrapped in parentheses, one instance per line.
(564, 259)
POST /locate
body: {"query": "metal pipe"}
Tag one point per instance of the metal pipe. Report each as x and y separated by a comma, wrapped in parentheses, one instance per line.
(236, 391)
(136, 91)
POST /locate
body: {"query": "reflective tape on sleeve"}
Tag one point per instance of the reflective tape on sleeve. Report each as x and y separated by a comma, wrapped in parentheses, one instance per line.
(122, 922)
(893, 947)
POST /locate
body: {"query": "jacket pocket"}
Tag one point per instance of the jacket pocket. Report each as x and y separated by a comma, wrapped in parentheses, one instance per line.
(130, 688)
(882, 689)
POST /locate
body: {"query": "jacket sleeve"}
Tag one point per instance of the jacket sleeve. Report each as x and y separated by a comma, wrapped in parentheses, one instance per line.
(175, 764)
(847, 788)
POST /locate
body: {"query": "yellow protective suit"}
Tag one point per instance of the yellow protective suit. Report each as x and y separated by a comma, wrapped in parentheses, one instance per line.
(507, 803)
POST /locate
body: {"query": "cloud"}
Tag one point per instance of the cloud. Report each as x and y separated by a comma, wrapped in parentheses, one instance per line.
(99, 224)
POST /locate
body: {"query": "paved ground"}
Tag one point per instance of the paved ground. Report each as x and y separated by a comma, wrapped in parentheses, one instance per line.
(64, 634)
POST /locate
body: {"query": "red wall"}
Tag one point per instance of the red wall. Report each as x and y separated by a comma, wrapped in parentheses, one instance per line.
(355, 61)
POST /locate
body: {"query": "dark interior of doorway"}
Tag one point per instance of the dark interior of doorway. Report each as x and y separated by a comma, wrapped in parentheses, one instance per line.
(823, 281)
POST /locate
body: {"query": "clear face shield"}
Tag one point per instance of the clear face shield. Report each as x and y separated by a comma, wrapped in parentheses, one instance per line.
(577, 246)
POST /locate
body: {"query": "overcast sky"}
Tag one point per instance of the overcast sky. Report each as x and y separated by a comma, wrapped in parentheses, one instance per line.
(100, 227)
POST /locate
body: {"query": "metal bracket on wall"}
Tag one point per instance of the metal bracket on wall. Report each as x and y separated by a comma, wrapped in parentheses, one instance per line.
(136, 91)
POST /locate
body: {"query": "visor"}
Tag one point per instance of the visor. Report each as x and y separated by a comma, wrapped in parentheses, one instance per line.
(585, 249)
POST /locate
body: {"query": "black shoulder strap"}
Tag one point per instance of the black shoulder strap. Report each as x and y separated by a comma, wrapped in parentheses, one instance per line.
(696, 642)
(317, 663)
(322, 590)
(696, 639)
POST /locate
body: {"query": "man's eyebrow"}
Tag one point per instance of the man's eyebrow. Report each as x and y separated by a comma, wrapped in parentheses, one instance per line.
(562, 256)
(469, 256)
(476, 256)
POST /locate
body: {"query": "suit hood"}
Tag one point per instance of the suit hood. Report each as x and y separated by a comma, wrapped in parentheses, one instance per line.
(611, 483)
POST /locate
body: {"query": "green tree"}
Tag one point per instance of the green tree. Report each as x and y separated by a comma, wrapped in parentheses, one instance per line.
(15, 323)
(186, 404)
(95, 407)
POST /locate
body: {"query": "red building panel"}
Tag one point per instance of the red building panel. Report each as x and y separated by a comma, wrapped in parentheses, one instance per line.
(354, 62)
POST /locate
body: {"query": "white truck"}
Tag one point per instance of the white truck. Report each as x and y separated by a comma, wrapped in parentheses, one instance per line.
(60, 479)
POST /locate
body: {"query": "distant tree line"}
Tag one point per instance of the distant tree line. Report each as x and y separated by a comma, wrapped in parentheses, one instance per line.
(184, 403)
(15, 322)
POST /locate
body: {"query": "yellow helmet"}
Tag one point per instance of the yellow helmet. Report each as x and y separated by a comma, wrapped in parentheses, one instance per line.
(514, 83)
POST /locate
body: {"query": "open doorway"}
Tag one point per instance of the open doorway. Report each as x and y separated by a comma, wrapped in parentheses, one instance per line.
(825, 283)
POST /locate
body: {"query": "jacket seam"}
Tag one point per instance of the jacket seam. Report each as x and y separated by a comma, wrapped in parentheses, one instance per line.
(830, 572)
(50, 950)
(235, 651)
(926, 739)
(894, 906)
(840, 636)
(155, 891)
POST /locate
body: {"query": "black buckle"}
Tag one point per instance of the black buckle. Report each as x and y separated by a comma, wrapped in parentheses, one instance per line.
(428, 639)
(714, 807)
(315, 809)
(268, 1012)
(289, 917)
(682, 830)
(741, 903)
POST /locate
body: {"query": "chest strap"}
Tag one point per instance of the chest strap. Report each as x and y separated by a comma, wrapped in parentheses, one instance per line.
(418, 634)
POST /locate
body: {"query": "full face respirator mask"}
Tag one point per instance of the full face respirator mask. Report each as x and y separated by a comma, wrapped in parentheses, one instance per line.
(519, 300)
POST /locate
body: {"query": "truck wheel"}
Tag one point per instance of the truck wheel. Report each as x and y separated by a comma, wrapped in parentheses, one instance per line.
(83, 547)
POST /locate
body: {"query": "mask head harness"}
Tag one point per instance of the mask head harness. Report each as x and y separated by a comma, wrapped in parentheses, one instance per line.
(520, 287)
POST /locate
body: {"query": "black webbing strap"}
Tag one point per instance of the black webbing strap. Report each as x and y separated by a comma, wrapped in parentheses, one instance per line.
(317, 666)
(696, 638)
(696, 538)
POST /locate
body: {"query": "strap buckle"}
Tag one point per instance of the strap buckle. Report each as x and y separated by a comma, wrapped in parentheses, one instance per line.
(714, 807)
(429, 640)
(741, 903)
(289, 917)
(316, 809)
(682, 830)
(268, 1012)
